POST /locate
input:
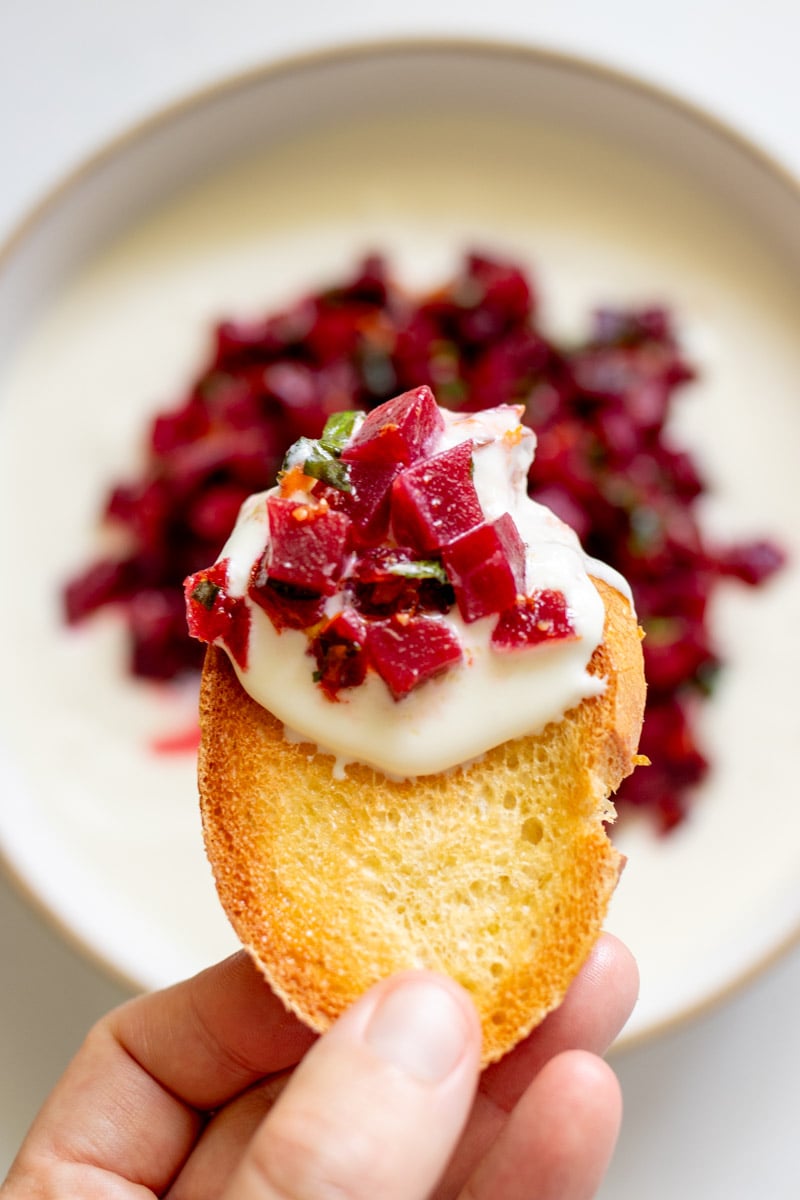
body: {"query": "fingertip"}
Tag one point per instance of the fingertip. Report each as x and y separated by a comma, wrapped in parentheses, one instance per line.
(425, 1024)
(612, 965)
(590, 1091)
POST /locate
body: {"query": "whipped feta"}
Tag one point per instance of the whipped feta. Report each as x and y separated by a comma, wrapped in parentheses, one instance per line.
(486, 699)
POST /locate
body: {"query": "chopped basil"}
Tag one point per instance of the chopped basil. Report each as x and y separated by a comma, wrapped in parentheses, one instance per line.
(297, 454)
(320, 459)
(421, 569)
(338, 428)
(323, 466)
(205, 593)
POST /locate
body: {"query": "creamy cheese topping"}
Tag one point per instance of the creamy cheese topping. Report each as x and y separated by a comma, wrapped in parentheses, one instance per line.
(489, 697)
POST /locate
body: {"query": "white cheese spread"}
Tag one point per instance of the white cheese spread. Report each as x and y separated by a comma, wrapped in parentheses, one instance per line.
(489, 697)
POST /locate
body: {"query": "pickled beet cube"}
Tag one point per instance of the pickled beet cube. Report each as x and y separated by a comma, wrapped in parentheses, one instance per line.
(542, 617)
(391, 579)
(486, 566)
(213, 615)
(340, 653)
(752, 562)
(288, 607)
(106, 581)
(399, 431)
(368, 501)
(307, 544)
(408, 650)
(435, 501)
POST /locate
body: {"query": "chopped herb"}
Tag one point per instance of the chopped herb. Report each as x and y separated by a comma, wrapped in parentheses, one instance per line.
(320, 459)
(297, 454)
(421, 569)
(319, 462)
(206, 593)
(323, 466)
(338, 428)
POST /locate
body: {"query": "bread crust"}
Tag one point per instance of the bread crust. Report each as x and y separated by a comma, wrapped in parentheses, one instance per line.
(498, 873)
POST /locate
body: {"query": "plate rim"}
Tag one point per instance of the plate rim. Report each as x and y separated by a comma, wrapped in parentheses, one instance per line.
(269, 70)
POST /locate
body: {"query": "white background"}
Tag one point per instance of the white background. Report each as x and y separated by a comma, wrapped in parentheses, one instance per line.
(711, 1108)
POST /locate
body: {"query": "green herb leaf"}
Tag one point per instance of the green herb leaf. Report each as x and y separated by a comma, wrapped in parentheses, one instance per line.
(297, 454)
(319, 462)
(422, 569)
(338, 428)
(328, 469)
(205, 593)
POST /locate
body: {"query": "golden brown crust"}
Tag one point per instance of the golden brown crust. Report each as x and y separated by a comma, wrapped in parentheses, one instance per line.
(498, 873)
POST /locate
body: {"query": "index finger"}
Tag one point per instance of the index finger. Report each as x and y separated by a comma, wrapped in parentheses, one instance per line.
(208, 1038)
(131, 1102)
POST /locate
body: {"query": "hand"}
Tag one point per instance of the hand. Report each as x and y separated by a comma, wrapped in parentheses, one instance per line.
(196, 1092)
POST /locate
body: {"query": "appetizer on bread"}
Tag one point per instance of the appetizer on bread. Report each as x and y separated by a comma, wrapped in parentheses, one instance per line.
(418, 696)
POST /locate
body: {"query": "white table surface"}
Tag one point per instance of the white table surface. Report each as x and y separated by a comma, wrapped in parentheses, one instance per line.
(712, 1107)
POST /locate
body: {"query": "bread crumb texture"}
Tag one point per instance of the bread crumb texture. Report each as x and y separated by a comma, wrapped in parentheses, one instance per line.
(498, 874)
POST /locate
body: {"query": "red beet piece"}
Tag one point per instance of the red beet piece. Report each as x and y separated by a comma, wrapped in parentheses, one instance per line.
(156, 616)
(399, 431)
(213, 615)
(435, 501)
(391, 579)
(486, 566)
(542, 617)
(406, 652)
(752, 562)
(106, 581)
(307, 544)
(287, 607)
(368, 501)
(340, 653)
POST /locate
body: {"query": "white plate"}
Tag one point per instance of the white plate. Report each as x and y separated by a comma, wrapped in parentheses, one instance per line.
(236, 202)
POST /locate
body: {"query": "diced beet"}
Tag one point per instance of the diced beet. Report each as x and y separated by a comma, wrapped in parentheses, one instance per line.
(287, 607)
(368, 502)
(239, 455)
(174, 429)
(336, 330)
(435, 501)
(340, 653)
(213, 615)
(391, 579)
(752, 562)
(106, 581)
(399, 431)
(307, 544)
(542, 617)
(213, 513)
(155, 618)
(486, 566)
(492, 296)
(675, 650)
(406, 651)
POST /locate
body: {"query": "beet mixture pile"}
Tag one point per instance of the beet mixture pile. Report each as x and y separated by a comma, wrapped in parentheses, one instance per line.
(329, 524)
(605, 463)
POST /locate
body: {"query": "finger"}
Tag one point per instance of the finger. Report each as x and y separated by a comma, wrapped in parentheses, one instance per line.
(223, 1142)
(377, 1105)
(128, 1103)
(214, 1035)
(594, 1010)
(559, 1140)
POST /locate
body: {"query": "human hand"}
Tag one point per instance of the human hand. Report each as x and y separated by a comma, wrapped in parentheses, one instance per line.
(195, 1092)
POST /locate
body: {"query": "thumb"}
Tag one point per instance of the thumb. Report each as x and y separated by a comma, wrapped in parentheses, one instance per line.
(377, 1105)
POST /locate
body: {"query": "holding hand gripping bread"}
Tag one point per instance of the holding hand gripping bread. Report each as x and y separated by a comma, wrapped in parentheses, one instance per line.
(420, 697)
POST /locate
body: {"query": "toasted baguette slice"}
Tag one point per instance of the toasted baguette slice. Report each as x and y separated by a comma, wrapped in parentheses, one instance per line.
(498, 873)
